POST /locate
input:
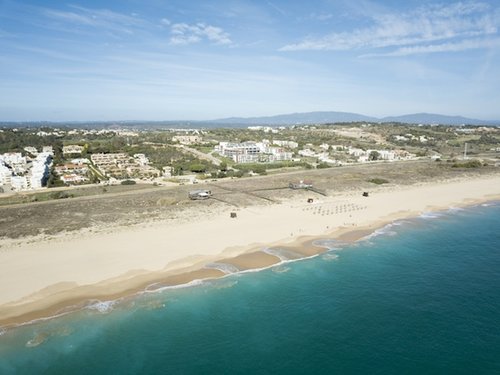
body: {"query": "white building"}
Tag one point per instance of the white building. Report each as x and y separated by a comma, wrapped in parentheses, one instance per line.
(357, 152)
(265, 129)
(72, 149)
(239, 151)
(288, 144)
(252, 152)
(73, 178)
(279, 154)
(48, 150)
(141, 159)
(5, 174)
(80, 161)
(19, 183)
(39, 170)
(307, 153)
(15, 161)
(387, 154)
(324, 146)
(13, 158)
(31, 150)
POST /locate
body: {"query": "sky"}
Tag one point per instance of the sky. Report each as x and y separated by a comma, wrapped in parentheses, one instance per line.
(200, 59)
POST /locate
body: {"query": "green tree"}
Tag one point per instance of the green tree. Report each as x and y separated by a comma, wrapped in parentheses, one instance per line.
(197, 168)
(374, 155)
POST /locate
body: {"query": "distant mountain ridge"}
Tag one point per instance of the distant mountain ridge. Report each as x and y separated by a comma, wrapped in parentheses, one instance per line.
(326, 117)
(303, 118)
(299, 118)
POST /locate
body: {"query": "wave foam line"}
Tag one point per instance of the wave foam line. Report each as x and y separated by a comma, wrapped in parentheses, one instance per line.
(223, 267)
(430, 215)
(167, 287)
(107, 306)
(282, 254)
(330, 244)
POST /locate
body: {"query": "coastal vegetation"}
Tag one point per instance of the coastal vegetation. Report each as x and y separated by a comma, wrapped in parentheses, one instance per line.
(179, 156)
(468, 164)
(94, 205)
(378, 181)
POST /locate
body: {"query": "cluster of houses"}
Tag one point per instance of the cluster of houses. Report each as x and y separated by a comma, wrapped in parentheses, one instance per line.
(364, 156)
(253, 152)
(410, 137)
(121, 165)
(278, 150)
(75, 172)
(25, 172)
(62, 132)
(265, 129)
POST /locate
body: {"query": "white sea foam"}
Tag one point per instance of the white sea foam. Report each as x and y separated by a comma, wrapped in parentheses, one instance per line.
(399, 223)
(329, 244)
(384, 231)
(224, 284)
(168, 287)
(223, 267)
(283, 254)
(103, 307)
(281, 269)
(37, 320)
(38, 339)
(329, 256)
(252, 270)
(430, 215)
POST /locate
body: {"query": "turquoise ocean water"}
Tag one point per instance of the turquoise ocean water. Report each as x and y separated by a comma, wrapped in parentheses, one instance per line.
(421, 297)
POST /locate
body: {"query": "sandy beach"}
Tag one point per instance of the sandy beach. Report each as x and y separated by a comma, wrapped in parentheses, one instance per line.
(42, 277)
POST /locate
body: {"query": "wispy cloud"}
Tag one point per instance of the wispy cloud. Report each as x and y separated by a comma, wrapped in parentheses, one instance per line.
(97, 18)
(320, 16)
(183, 33)
(277, 8)
(165, 21)
(441, 47)
(452, 27)
(57, 55)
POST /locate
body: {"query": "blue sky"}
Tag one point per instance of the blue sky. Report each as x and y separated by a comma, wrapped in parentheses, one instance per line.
(178, 60)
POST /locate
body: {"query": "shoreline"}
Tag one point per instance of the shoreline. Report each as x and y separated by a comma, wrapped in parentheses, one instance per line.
(351, 223)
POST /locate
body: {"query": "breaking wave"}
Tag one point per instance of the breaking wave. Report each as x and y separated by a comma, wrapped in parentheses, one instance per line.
(103, 307)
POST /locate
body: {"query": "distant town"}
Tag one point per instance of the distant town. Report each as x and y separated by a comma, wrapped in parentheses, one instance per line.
(33, 159)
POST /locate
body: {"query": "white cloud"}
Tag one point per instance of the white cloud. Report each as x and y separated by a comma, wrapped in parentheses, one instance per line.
(447, 24)
(165, 21)
(183, 33)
